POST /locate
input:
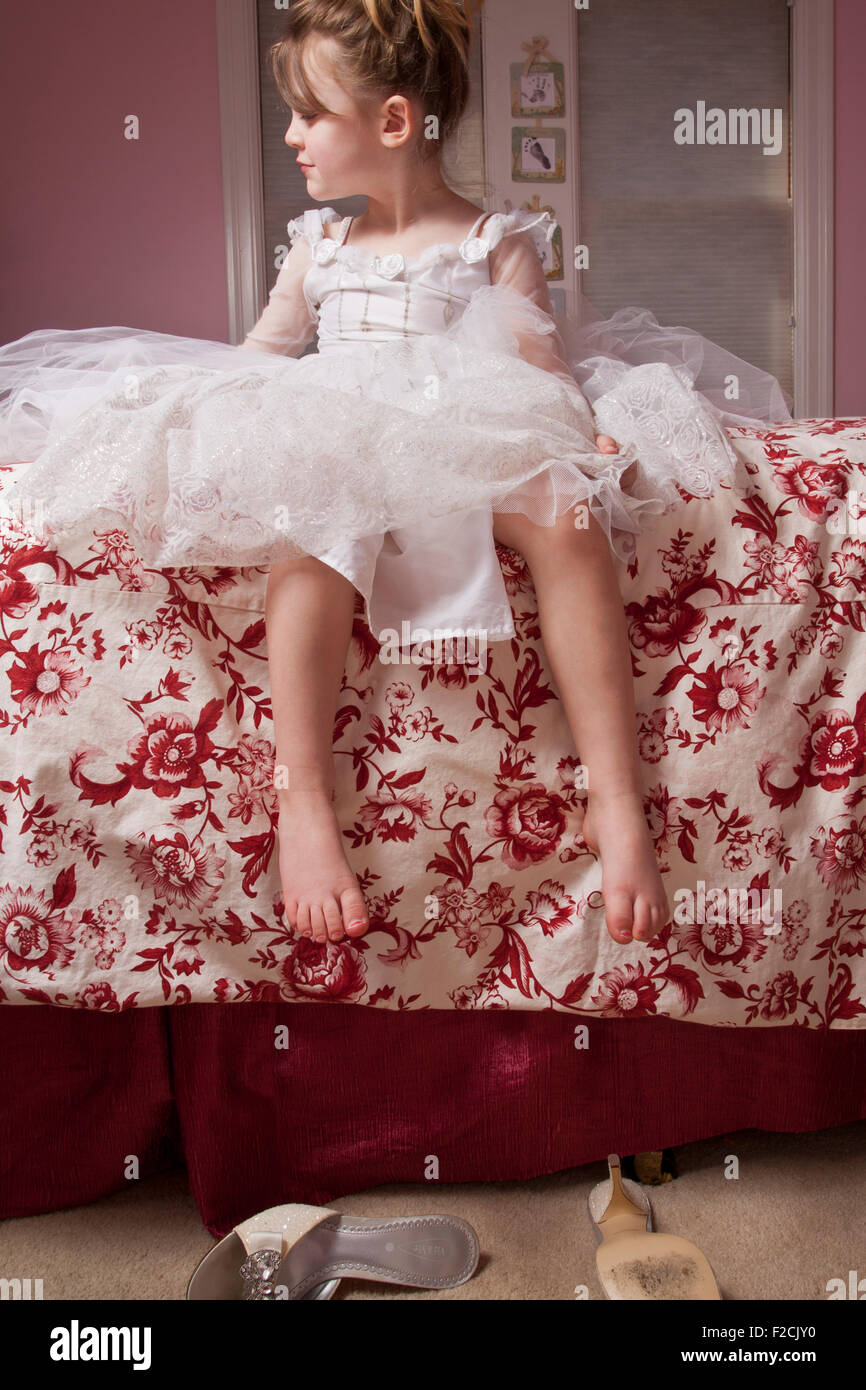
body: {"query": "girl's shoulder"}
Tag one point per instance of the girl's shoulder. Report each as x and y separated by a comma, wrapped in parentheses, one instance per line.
(311, 223)
(502, 224)
(495, 225)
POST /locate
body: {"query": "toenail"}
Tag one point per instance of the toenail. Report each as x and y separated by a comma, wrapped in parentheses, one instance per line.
(359, 922)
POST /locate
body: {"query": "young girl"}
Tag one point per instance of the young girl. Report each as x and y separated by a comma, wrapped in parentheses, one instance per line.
(439, 416)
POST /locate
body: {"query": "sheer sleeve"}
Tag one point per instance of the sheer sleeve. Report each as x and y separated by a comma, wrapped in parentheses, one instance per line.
(288, 322)
(516, 266)
(515, 263)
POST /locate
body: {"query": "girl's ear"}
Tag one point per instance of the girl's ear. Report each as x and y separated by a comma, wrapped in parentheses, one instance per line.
(398, 118)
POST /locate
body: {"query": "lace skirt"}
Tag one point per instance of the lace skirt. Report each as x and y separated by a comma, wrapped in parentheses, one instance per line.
(207, 454)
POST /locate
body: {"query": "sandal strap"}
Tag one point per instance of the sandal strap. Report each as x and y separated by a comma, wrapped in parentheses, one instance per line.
(268, 1237)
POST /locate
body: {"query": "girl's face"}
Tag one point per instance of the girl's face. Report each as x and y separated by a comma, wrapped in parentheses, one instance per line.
(329, 152)
(341, 151)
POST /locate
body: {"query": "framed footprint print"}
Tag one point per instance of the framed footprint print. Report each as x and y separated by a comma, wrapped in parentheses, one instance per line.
(537, 154)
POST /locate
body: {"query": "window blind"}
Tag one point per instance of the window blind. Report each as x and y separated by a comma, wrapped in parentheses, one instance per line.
(700, 233)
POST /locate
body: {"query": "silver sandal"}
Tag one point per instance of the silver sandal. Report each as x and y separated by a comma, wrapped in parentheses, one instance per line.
(300, 1252)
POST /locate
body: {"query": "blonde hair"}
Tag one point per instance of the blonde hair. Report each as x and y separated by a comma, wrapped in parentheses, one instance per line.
(413, 48)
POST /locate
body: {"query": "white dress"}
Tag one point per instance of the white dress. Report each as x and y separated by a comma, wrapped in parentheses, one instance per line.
(443, 389)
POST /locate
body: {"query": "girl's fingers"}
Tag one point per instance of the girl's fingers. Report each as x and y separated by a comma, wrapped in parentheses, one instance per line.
(606, 444)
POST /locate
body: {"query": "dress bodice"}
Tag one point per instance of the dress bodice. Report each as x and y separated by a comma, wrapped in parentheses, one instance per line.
(357, 296)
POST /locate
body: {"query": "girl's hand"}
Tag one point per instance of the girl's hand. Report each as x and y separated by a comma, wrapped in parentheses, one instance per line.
(606, 445)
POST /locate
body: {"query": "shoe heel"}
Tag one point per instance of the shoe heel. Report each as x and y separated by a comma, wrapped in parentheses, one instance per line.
(621, 1213)
(618, 1204)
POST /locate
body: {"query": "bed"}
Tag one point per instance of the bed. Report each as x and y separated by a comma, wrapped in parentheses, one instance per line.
(138, 872)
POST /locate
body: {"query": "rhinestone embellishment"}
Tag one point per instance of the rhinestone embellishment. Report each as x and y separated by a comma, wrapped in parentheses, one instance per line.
(391, 265)
(257, 1272)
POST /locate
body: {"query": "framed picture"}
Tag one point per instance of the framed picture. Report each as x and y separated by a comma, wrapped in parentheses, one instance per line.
(538, 91)
(537, 155)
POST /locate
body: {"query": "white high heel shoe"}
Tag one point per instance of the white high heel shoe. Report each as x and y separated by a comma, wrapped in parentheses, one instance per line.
(300, 1252)
(635, 1262)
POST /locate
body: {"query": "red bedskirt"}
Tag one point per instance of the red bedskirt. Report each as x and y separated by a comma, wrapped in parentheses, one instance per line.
(360, 1098)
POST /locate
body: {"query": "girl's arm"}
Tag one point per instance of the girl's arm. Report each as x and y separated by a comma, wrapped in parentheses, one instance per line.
(515, 262)
(287, 323)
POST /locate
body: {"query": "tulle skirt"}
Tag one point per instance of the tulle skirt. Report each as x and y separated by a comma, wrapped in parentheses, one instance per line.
(209, 454)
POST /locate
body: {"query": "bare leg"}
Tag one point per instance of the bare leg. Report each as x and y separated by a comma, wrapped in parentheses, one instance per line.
(308, 613)
(585, 638)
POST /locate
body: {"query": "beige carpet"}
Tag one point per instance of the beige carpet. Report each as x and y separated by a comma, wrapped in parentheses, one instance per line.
(791, 1220)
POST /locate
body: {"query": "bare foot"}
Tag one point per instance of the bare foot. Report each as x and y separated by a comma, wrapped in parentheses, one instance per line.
(321, 894)
(635, 901)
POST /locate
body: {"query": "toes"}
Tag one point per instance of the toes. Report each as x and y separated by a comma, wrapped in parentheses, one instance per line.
(317, 922)
(333, 919)
(618, 912)
(329, 920)
(355, 918)
(649, 920)
(643, 924)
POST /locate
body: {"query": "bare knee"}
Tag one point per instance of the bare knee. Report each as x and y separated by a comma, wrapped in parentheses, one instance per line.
(308, 566)
(296, 564)
(568, 535)
(304, 580)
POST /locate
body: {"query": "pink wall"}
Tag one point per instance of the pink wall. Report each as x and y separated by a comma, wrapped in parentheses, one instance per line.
(850, 211)
(98, 229)
(101, 230)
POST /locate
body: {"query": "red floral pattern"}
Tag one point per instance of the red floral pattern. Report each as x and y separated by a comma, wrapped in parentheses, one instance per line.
(138, 835)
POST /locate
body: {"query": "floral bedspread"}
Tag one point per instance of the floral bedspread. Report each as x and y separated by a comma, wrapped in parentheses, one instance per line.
(137, 813)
